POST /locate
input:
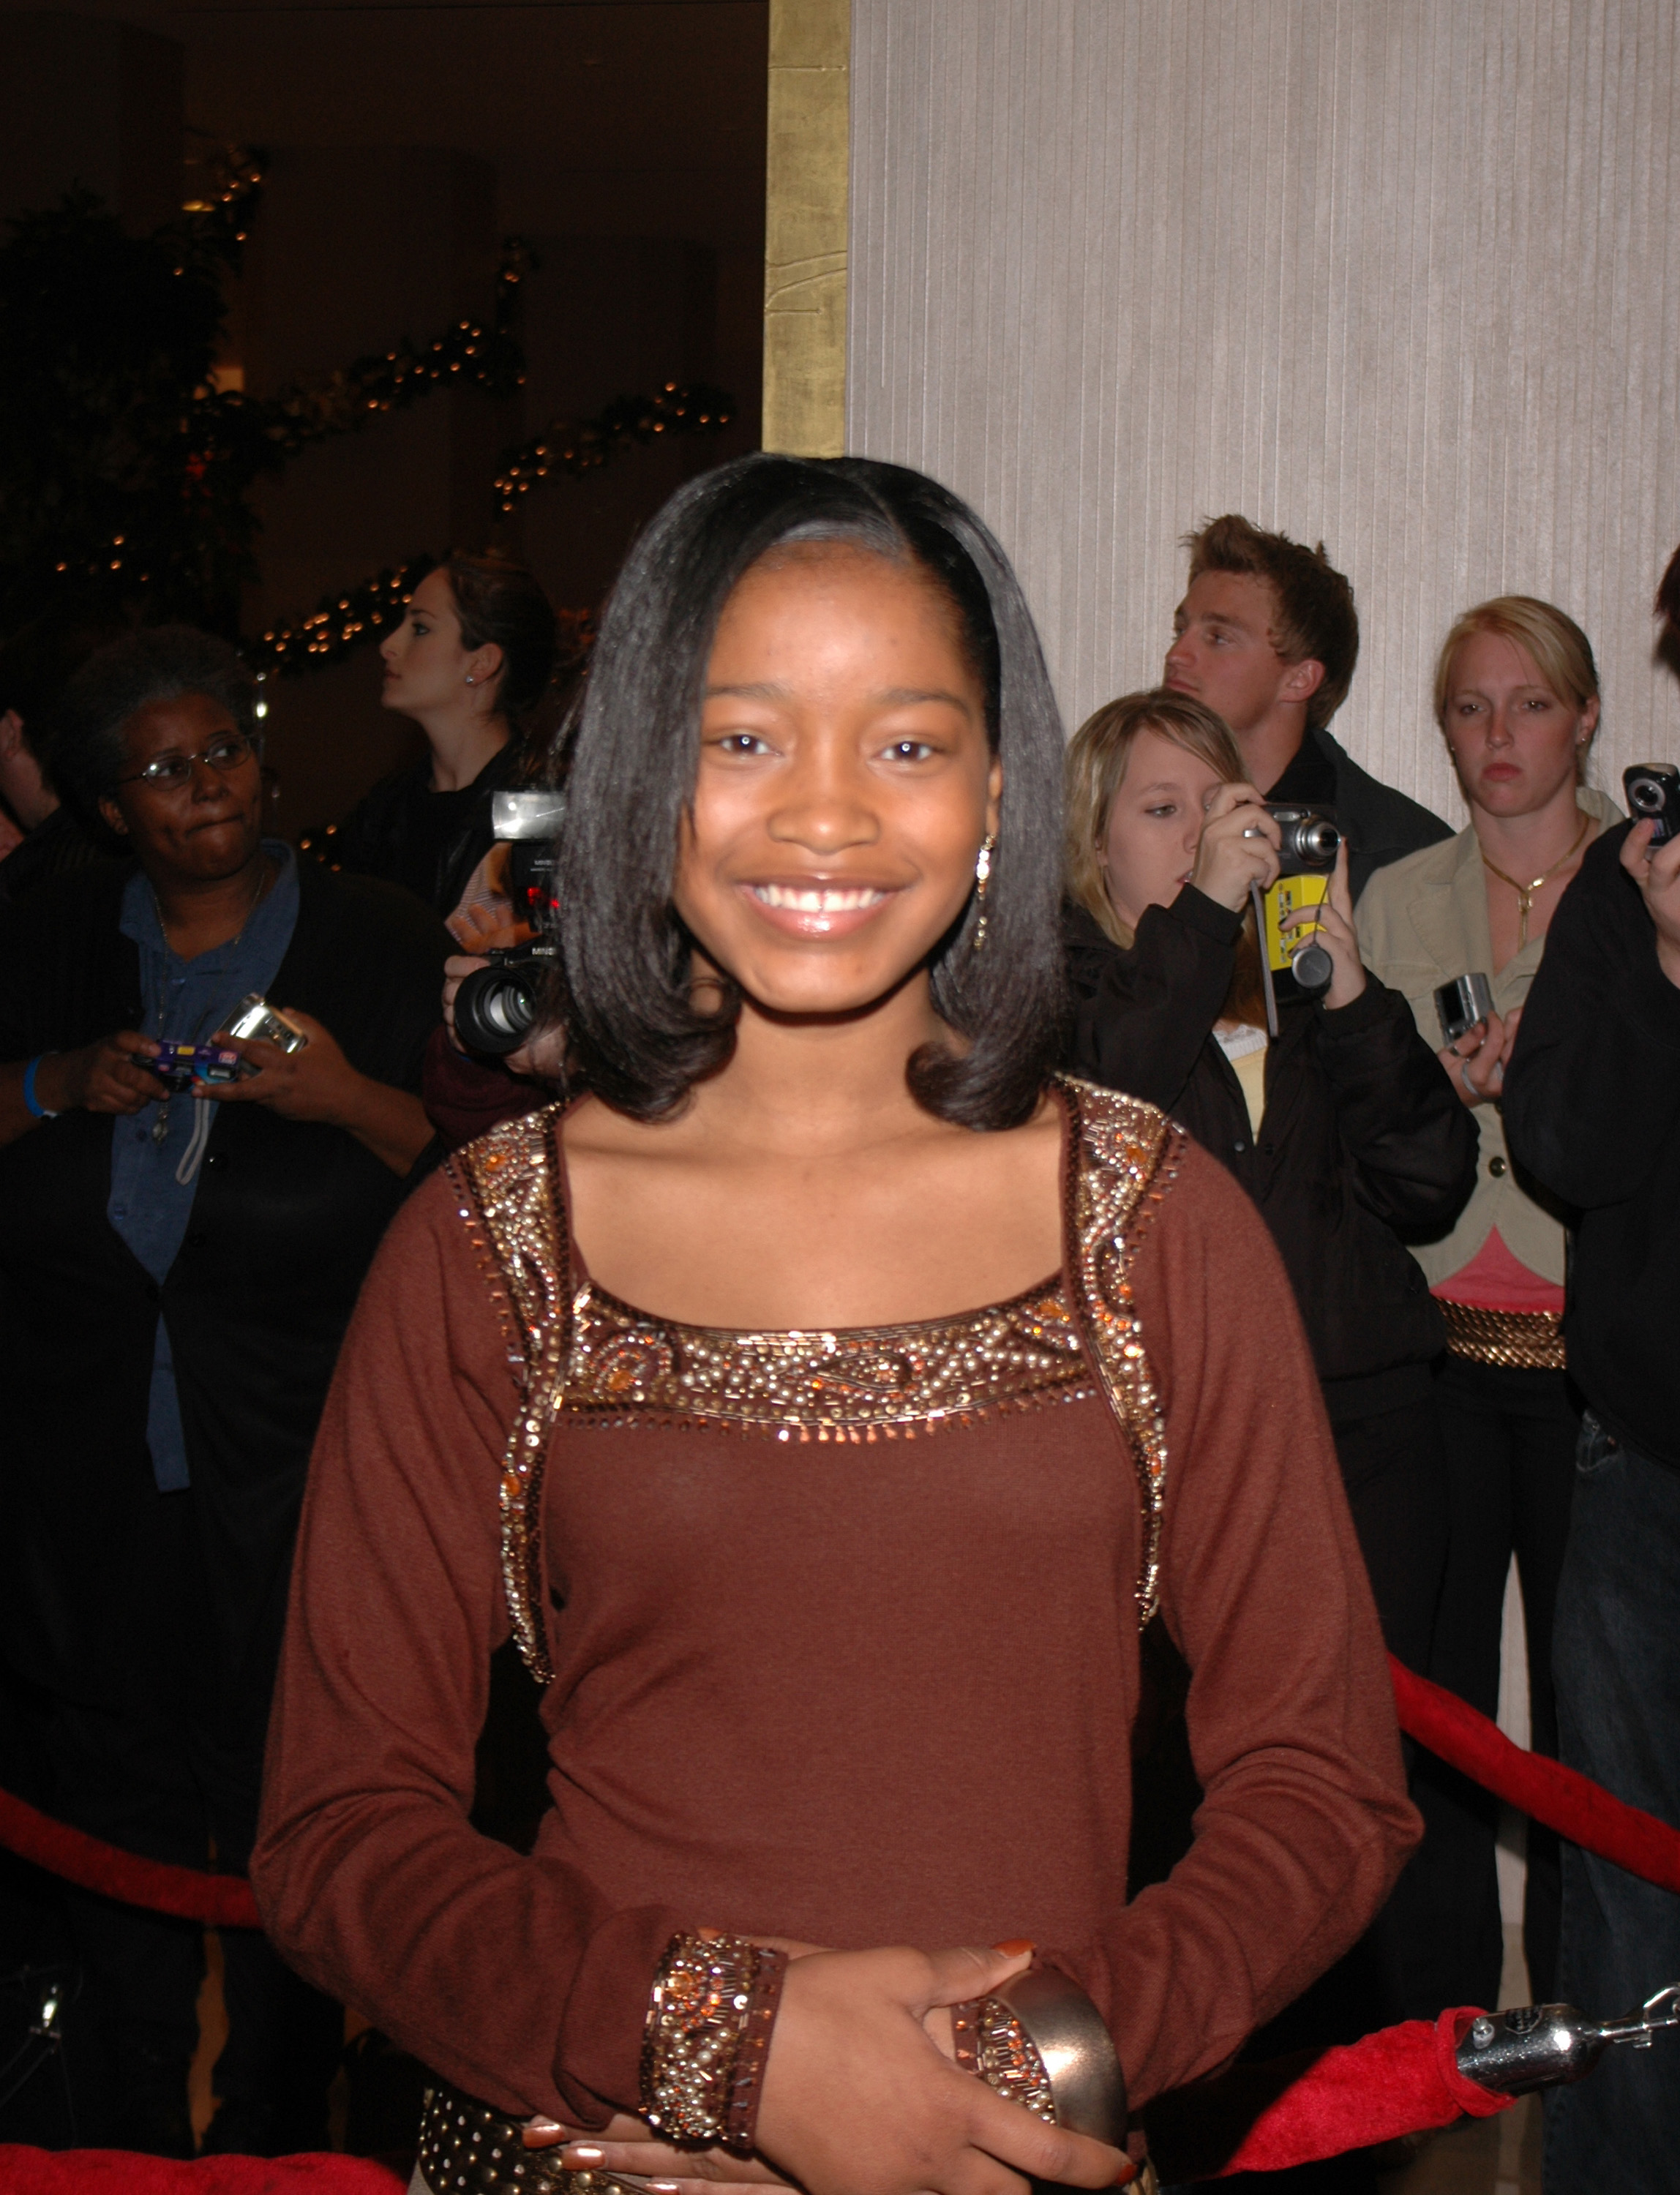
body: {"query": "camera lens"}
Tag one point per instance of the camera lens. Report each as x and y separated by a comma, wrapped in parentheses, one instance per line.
(1318, 841)
(495, 1011)
(1645, 796)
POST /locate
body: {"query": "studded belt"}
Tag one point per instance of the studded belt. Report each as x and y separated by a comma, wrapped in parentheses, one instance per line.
(1520, 1340)
(470, 2148)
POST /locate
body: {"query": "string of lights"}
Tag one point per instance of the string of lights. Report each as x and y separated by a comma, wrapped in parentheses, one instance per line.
(340, 624)
(576, 446)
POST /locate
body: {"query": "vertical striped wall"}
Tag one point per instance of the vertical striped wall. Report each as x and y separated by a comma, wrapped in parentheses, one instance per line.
(1403, 274)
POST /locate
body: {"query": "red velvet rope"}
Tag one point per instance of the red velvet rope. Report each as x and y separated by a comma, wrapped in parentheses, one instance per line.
(1561, 1798)
(220, 1901)
(25, 2171)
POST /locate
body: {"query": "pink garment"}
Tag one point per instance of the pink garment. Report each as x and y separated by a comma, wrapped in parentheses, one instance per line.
(1496, 1279)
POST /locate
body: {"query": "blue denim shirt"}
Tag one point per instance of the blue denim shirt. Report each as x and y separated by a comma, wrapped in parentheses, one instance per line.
(185, 1001)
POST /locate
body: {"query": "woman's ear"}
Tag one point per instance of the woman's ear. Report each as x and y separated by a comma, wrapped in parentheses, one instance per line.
(484, 666)
(113, 816)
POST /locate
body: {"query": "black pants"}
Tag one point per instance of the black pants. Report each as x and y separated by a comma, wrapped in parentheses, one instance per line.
(168, 1764)
(1510, 1440)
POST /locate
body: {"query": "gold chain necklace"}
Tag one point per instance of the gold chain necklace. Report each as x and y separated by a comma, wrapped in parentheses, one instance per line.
(1525, 893)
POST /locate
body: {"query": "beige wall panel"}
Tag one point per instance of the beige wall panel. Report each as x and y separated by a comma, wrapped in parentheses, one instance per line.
(805, 229)
(1403, 274)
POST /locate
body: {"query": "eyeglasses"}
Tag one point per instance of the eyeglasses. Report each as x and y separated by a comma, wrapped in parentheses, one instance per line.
(170, 772)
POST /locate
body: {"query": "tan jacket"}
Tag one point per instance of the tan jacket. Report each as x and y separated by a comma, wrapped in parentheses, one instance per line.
(1422, 921)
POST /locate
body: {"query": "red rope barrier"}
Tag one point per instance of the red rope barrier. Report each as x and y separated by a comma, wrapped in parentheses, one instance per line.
(1298, 2110)
(25, 2171)
(219, 1901)
(1561, 1798)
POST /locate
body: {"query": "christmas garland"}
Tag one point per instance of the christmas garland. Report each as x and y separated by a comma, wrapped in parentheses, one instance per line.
(343, 622)
(340, 624)
(127, 466)
(577, 446)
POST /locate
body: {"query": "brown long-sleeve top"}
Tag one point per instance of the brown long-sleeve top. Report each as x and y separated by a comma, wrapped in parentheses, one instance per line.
(843, 1631)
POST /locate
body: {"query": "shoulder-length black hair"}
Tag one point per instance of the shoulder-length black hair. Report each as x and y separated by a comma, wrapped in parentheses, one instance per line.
(635, 1036)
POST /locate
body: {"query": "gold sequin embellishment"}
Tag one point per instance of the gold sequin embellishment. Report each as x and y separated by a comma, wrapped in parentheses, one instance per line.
(866, 1384)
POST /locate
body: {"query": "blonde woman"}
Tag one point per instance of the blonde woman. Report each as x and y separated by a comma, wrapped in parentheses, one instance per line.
(1339, 1129)
(1516, 698)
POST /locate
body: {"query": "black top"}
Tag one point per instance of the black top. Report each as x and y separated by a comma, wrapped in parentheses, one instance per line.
(57, 846)
(1362, 1142)
(430, 843)
(1380, 823)
(287, 1217)
(1592, 1111)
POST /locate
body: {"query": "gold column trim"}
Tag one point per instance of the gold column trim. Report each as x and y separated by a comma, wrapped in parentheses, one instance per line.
(807, 167)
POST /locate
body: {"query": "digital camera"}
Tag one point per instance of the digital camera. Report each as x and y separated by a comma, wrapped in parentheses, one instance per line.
(1461, 1003)
(1309, 839)
(254, 1016)
(1653, 793)
(179, 1066)
(497, 1007)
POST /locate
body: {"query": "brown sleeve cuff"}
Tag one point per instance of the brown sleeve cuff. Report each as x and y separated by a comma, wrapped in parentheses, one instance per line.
(598, 2059)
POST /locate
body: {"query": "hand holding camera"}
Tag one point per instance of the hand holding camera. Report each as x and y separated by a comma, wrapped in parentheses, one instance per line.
(1651, 855)
(1330, 923)
(308, 1081)
(113, 1075)
(1238, 847)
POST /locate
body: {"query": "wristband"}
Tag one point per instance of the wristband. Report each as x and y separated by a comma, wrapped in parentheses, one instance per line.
(707, 2035)
(36, 1110)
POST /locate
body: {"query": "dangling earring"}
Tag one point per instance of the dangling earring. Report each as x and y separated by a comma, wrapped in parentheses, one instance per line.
(982, 878)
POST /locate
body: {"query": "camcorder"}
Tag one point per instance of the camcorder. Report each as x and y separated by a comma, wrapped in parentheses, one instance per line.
(1292, 962)
(497, 1007)
(1653, 793)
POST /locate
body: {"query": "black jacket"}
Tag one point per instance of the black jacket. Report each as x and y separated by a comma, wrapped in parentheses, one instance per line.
(1592, 1111)
(430, 843)
(1362, 1141)
(1381, 824)
(286, 1219)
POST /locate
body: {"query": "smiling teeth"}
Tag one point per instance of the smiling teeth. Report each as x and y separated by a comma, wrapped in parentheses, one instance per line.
(825, 901)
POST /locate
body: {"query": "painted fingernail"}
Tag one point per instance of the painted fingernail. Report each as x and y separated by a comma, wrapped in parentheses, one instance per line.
(1015, 1948)
(584, 2153)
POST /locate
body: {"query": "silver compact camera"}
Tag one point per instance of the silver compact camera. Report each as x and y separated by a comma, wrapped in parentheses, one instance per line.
(255, 1018)
(1461, 1003)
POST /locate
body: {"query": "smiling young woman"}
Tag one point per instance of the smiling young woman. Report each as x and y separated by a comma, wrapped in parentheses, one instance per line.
(652, 1380)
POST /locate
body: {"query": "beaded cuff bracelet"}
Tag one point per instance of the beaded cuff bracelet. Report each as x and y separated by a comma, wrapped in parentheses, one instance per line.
(992, 2043)
(706, 2038)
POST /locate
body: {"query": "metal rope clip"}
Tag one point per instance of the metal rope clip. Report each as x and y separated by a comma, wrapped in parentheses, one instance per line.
(1534, 2046)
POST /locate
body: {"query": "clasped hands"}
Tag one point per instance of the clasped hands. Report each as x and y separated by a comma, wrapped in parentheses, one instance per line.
(862, 2094)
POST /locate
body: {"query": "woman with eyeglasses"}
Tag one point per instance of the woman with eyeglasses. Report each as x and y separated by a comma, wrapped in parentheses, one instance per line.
(178, 1262)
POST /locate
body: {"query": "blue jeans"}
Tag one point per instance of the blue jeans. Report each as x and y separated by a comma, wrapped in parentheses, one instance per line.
(1616, 1659)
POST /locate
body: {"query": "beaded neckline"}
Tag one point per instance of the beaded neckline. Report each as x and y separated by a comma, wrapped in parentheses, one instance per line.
(857, 1384)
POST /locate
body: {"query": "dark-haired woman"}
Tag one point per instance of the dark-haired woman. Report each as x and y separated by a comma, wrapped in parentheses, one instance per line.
(471, 662)
(177, 1266)
(824, 1398)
